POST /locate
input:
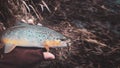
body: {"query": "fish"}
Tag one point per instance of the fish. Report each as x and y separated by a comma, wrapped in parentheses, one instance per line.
(26, 35)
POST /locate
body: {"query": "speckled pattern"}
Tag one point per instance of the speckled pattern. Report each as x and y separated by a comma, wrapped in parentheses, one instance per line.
(32, 33)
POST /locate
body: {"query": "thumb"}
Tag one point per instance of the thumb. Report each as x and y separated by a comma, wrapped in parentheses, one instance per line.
(48, 55)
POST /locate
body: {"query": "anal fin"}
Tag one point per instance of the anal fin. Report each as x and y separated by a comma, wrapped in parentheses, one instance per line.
(9, 48)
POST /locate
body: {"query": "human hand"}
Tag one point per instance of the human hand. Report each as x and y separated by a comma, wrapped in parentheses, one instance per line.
(48, 55)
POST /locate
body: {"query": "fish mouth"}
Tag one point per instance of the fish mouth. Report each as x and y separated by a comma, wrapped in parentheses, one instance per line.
(65, 42)
(68, 41)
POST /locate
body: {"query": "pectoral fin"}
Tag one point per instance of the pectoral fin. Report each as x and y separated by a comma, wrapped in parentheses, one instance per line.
(9, 48)
(47, 48)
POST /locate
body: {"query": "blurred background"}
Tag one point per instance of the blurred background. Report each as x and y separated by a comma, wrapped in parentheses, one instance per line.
(92, 25)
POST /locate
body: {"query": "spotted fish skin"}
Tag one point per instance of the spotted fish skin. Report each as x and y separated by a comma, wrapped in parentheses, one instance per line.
(29, 36)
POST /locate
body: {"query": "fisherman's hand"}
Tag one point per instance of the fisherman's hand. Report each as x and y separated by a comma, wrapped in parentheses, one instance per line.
(23, 58)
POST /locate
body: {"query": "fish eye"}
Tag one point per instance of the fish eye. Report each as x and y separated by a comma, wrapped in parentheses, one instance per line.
(62, 39)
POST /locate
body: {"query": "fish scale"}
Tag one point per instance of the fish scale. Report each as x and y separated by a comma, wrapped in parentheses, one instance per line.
(33, 33)
(26, 35)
